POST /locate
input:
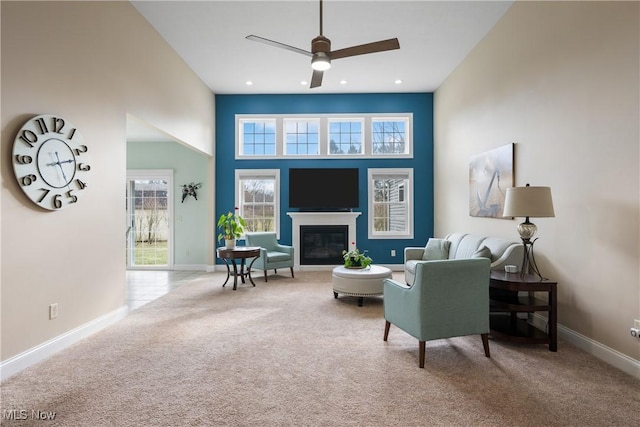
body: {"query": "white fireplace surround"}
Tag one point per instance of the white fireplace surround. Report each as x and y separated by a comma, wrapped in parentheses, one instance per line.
(319, 218)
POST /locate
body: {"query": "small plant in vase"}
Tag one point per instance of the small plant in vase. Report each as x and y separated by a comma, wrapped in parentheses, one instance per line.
(231, 227)
(356, 259)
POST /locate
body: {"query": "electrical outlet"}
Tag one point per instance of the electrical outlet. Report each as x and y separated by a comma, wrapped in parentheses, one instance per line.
(393, 252)
(53, 311)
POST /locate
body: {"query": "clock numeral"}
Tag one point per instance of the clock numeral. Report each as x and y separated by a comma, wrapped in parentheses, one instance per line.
(28, 179)
(83, 167)
(57, 203)
(81, 184)
(44, 194)
(58, 124)
(23, 159)
(82, 149)
(71, 196)
(73, 132)
(29, 137)
(42, 126)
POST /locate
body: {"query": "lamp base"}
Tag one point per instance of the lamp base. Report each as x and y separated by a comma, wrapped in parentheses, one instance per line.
(529, 265)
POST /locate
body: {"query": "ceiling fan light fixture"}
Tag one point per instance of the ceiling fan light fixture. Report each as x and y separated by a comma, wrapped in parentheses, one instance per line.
(321, 53)
(321, 62)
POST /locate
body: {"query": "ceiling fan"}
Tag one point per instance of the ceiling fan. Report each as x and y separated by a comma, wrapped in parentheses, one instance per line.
(321, 54)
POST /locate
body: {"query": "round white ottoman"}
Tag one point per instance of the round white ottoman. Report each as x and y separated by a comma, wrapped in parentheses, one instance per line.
(359, 282)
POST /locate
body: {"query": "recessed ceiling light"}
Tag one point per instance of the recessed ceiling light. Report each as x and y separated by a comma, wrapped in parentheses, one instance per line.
(248, 83)
(304, 83)
(343, 82)
(398, 81)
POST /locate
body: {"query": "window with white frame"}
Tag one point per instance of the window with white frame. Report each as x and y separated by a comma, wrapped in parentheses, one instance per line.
(389, 135)
(257, 137)
(319, 136)
(346, 136)
(390, 203)
(302, 136)
(257, 197)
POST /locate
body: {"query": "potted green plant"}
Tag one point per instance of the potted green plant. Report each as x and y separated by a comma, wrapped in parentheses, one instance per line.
(356, 259)
(231, 227)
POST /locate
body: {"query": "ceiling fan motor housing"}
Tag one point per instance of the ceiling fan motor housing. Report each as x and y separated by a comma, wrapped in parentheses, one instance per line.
(321, 44)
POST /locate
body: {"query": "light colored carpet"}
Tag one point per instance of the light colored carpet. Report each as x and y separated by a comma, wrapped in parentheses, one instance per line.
(286, 353)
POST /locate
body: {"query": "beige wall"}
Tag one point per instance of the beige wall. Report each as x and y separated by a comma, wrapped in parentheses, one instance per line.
(92, 63)
(560, 80)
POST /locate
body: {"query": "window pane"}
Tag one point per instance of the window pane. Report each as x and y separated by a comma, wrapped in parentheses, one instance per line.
(389, 136)
(345, 136)
(258, 137)
(257, 206)
(301, 136)
(389, 204)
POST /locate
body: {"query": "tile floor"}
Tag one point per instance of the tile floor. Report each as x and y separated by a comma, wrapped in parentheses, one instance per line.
(144, 286)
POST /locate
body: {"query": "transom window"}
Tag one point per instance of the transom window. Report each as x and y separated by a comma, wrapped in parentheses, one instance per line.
(258, 137)
(301, 136)
(389, 136)
(346, 136)
(316, 136)
(257, 197)
(390, 203)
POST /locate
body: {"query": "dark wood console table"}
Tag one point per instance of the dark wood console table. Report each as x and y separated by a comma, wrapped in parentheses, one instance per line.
(510, 294)
(242, 253)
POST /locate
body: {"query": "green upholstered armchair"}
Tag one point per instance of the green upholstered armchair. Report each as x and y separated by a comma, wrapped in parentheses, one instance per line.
(449, 298)
(273, 255)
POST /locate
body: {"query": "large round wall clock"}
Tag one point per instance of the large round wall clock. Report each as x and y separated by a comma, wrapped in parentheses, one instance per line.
(51, 162)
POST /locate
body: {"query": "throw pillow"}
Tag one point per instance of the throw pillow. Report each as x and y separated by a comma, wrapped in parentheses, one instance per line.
(483, 252)
(436, 249)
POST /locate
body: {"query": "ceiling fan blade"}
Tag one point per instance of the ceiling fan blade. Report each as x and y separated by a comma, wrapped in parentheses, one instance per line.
(316, 79)
(362, 49)
(278, 44)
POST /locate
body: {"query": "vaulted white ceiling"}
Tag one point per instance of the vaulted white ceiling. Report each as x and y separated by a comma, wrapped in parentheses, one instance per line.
(435, 36)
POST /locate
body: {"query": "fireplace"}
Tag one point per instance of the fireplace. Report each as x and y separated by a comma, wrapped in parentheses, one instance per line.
(333, 219)
(323, 244)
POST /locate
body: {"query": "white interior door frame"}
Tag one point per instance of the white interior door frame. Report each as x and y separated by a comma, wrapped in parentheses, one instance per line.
(151, 174)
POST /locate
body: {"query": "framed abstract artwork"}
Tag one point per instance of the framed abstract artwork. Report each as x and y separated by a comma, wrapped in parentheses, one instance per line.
(490, 174)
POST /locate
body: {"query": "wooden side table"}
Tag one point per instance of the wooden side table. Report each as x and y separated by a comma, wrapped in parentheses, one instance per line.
(242, 253)
(510, 294)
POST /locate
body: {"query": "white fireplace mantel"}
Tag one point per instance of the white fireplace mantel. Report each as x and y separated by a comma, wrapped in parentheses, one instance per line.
(319, 218)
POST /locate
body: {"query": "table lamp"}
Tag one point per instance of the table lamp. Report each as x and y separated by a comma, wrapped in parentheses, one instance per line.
(528, 202)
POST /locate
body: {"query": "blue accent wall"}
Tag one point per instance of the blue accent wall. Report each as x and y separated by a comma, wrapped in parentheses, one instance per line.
(420, 104)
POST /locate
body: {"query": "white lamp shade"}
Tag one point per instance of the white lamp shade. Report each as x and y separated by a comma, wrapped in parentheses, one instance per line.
(534, 202)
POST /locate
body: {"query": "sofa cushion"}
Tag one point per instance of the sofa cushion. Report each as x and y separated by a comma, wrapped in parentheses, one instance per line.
(436, 249)
(482, 252)
(467, 246)
(455, 239)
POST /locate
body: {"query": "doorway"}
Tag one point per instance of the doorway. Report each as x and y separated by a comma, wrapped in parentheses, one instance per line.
(149, 231)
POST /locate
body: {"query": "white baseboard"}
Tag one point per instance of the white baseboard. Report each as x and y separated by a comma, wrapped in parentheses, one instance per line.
(221, 267)
(594, 348)
(21, 361)
(190, 267)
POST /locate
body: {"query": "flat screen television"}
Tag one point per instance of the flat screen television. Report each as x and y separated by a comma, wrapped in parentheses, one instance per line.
(323, 189)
